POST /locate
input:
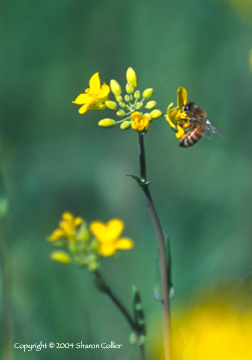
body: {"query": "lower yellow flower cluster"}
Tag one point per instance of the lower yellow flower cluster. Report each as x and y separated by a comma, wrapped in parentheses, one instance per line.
(86, 245)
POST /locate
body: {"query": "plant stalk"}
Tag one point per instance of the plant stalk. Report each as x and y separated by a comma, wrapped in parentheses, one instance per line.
(106, 289)
(161, 246)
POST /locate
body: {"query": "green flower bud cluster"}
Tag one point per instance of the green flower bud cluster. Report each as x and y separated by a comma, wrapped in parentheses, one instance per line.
(125, 105)
(80, 248)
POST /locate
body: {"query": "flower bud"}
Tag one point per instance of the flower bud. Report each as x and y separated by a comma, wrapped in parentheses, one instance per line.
(155, 114)
(125, 125)
(115, 87)
(137, 94)
(93, 266)
(130, 88)
(147, 94)
(83, 234)
(148, 115)
(120, 113)
(122, 104)
(127, 98)
(118, 98)
(112, 105)
(149, 105)
(139, 105)
(131, 76)
(61, 257)
(107, 123)
(136, 339)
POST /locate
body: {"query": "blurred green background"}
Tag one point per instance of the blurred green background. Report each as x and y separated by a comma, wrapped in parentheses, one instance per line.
(55, 160)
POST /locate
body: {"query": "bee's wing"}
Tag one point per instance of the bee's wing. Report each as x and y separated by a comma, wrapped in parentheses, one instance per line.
(210, 129)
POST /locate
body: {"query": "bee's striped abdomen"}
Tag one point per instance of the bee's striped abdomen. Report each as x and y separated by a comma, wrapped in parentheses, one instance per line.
(192, 137)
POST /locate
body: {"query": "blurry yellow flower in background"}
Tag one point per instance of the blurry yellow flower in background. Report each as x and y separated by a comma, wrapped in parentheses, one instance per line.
(215, 329)
(139, 122)
(243, 8)
(94, 97)
(108, 236)
(67, 227)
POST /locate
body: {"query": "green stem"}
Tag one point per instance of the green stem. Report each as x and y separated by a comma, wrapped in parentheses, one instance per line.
(106, 289)
(142, 157)
(161, 246)
(142, 353)
(102, 285)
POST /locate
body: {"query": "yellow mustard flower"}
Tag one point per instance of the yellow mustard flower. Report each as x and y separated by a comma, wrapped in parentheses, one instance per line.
(139, 122)
(177, 116)
(180, 132)
(108, 236)
(67, 227)
(94, 97)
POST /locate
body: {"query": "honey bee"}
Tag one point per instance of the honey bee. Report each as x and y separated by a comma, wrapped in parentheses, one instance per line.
(198, 124)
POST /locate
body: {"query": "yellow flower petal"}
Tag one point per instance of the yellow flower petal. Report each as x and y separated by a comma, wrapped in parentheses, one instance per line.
(78, 221)
(104, 91)
(94, 97)
(171, 116)
(107, 232)
(139, 122)
(107, 249)
(87, 106)
(56, 235)
(124, 244)
(67, 227)
(81, 99)
(181, 96)
(136, 116)
(67, 216)
(95, 83)
(180, 133)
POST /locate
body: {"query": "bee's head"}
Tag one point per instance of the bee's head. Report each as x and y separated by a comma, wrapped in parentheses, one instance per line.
(188, 106)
